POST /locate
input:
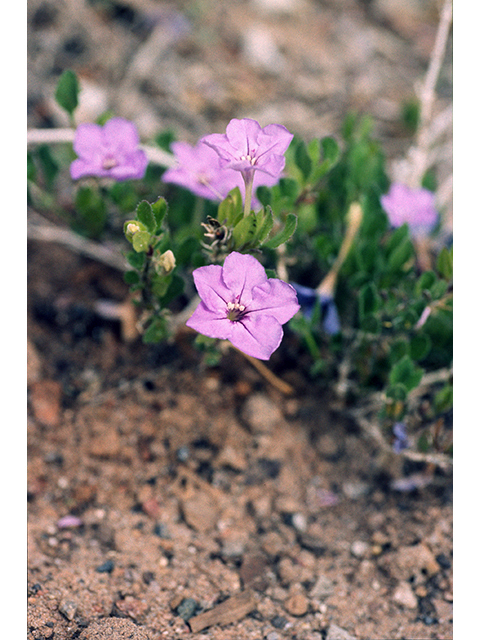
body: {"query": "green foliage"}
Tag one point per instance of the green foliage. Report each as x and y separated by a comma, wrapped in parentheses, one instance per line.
(66, 93)
(396, 320)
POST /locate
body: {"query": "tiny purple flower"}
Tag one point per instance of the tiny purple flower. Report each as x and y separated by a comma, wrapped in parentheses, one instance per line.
(307, 298)
(198, 170)
(247, 148)
(111, 151)
(412, 206)
(240, 304)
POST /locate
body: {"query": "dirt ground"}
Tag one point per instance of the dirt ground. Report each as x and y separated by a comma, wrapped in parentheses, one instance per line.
(171, 500)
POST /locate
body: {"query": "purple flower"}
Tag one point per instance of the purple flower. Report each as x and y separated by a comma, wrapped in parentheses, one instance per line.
(247, 148)
(413, 206)
(110, 151)
(198, 170)
(307, 298)
(240, 304)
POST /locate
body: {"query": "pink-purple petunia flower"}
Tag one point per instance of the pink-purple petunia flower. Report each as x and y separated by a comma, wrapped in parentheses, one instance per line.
(240, 304)
(198, 170)
(248, 148)
(416, 207)
(111, 151)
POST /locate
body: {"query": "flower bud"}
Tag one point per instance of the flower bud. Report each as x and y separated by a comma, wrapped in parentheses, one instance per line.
(165, 262)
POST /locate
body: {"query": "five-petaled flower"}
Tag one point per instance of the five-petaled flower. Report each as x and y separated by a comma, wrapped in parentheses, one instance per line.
(198, 170)
(412, 206)
(111, 151)
(247, 148)
(240, 304)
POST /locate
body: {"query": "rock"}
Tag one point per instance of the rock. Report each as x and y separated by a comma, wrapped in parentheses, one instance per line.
(114, 629)
(404, 596)
(337, 633)
(415, 561)
(323, 587)
(359, 548)
(68, 608)
(296, 605)
(200, 512)
(355, 490)
(261, 413)
(45, 399)
(252, 571)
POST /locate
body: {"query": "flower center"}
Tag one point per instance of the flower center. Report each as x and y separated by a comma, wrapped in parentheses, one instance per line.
(235, 311)
(250, 158)
(109, 163)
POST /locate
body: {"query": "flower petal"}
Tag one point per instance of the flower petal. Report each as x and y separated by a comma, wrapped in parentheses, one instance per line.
(209, 323)
(212, 289)
(240, 274)
(257, 335)
(88, 139)
(276, 299)
(121, 135)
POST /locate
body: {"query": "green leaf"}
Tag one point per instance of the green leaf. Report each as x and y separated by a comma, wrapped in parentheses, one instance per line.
(145, 216)
(405, 372)
(175, 289)
(400, 255)
(396, 391)
(141, 241)
(303, 160)
(135, 260)
(244, 232)
(156, 331)
(185, 251)
(264, 195)
(286, 233)
(443, 400)
(131, 277)
(66, 93)
(48, 163)
(368, 300)
(231, 208)
(419, 346)
(159, 210)
(31, 170)
(266, 227)
(92, 209)
(445, 263)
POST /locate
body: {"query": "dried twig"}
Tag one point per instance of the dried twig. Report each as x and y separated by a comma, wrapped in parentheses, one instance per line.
(47, 232)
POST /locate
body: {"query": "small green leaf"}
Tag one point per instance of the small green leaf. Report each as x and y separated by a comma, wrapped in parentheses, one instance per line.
(445, 263)
(231, 209)
(175, 289)
(286, 233)
(267, 226)
(419, 346)
(145, 216)
(156, 331)
(141, 241)
(302, 159)
(396, 391)
(135, 260)
(48, 163)
(400, 255)
(66, 93)
(131, 277)
(245, 231)
(369, 300)
(159, 209)
(405, 372)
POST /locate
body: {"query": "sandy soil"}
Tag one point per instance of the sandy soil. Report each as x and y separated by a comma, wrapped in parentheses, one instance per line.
(167, 499)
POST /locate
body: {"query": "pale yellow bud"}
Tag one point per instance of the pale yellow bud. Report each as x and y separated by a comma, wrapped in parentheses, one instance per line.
(167, 261)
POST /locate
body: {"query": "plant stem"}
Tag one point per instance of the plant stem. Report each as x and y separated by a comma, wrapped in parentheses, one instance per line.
(248, 179)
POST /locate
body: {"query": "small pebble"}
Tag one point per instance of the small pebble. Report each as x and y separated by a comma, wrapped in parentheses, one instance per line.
(187, 608)
(68, 608)
(359, 548)
(106, 567)
(296, 605)
(404, 596)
